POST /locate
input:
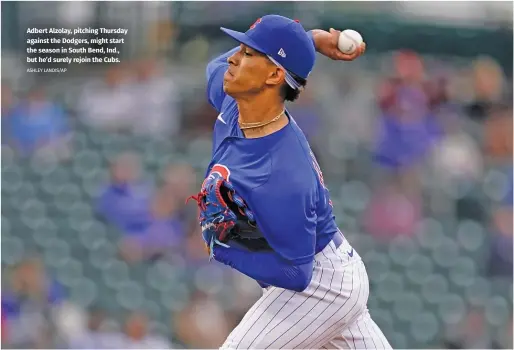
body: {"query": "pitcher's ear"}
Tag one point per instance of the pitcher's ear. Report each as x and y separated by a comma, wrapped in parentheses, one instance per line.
(277, 76)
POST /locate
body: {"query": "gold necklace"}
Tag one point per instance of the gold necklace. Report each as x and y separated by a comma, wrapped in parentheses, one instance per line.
(244, 126)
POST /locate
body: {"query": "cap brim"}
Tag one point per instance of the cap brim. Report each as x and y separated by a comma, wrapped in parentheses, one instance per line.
(242, 38)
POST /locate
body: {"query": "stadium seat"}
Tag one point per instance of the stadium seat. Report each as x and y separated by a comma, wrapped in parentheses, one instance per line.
(70, 274)
(497, 310)
(115, 273)
(470, 235)
(12, 250)
(407, 306)
(377, 265)
(452, 309)
(446, 254)
(84, 292)
(424, 327)
(463, 272)
(390, 287)
(402, 250)
(419, 268)
(434, 288)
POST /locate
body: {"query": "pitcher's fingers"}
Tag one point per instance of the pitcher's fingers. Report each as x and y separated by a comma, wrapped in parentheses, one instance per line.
(343, 56)
(334, 36)
(362, 48)
(347, 57)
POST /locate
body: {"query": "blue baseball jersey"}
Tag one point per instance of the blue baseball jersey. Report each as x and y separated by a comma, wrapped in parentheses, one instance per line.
(277, 175)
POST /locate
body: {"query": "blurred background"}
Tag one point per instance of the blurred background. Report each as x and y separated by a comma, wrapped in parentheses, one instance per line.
(99, 249)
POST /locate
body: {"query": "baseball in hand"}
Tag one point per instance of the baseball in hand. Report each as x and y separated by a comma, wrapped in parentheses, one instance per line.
(349, 41)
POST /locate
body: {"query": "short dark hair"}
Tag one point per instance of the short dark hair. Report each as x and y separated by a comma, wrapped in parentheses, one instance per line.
(290, 94)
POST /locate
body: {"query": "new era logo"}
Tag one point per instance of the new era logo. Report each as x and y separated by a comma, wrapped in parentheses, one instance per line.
(282, 53)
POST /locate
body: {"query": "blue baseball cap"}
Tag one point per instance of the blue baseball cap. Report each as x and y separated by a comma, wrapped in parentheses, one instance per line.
(283, 40)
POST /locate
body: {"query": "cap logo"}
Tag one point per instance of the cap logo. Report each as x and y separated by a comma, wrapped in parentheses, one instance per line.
(282, 53)
(256, 22)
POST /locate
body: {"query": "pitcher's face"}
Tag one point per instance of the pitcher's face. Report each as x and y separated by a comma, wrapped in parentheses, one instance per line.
(249, 72)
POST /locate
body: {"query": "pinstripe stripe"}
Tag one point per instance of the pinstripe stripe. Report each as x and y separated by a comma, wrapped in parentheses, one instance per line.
(263, 329)
(383, 337)
(254, 325)
(305, 314)
(380, 335)
(375, 334)
(330, 333)
(251, 312)
(322, 252)
(249, 315)
(299, 306)
(257, 305)
(341, 289)
(363, 337)
(251, 324)
(331, 303)
(378, 332)
(365, 325)
(335, 252)
(360, 341)
(362, 273)
(341, 342)
(363, 320)
(343, 338)
(321, 335)
(353, 339)
(247, 325)
(366, 322)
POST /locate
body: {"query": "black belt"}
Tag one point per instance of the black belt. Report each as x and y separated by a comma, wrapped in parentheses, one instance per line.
(338, 239)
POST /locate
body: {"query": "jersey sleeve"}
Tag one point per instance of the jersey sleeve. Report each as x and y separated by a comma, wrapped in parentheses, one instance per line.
(285, 211)
(267, 268)
(214, 74)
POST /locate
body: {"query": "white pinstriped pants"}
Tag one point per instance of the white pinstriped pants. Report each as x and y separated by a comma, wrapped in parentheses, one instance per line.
(330, 314)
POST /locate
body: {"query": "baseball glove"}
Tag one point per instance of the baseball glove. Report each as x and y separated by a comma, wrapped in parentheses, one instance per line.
(225, 218)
